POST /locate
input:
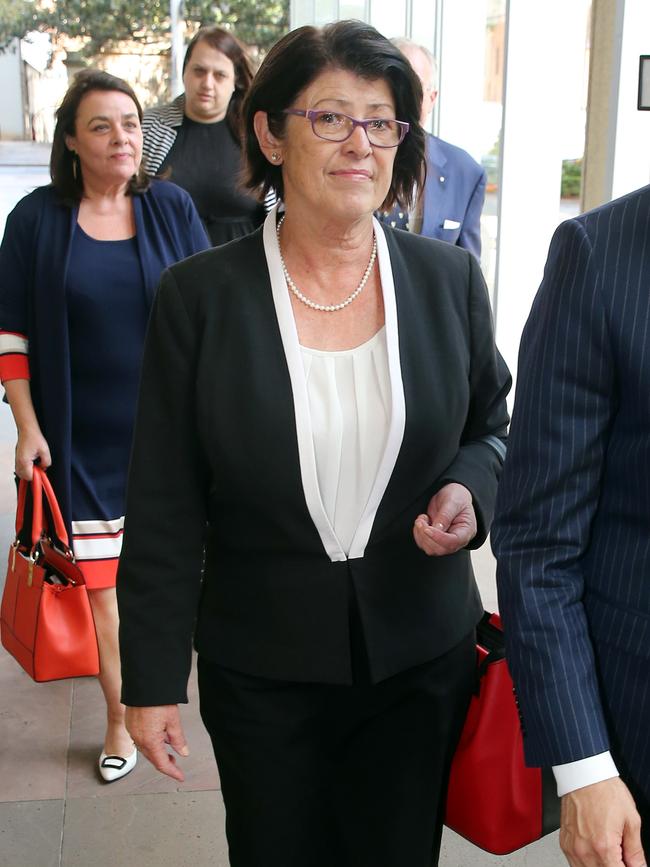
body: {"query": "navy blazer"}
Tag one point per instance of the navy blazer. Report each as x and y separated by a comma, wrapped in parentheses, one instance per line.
(454, 192)
(572, 534)
(33, 266)
(223, 456)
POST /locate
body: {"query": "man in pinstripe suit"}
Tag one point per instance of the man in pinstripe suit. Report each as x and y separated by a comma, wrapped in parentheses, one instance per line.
(572, 534)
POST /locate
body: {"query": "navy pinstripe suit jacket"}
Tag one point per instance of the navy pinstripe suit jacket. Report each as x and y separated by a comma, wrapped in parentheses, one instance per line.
(572, 533)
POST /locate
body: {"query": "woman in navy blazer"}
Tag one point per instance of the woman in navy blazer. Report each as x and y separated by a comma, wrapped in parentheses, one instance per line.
(79, 264)
(320, 431)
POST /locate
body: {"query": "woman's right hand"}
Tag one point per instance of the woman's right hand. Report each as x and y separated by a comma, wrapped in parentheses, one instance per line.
(31, 446)
(155, 728)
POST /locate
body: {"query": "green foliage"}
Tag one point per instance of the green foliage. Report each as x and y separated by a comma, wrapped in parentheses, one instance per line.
(16, 18)
(571, 178)
(105, 22)
(254, 22)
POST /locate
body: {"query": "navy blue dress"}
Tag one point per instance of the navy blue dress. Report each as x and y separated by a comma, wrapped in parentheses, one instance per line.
(101, 291)
(108, 310)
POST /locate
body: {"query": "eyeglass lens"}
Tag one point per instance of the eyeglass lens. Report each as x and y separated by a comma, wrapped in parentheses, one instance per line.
(338, 127)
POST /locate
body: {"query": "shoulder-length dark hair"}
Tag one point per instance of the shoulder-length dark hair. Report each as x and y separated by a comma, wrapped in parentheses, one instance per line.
(66, 177)
(223, 41)
(297, 59)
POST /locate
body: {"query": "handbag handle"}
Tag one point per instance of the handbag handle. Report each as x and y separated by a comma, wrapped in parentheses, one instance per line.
(40, 485)
(20, 506)
(59, 524)
(37, 507)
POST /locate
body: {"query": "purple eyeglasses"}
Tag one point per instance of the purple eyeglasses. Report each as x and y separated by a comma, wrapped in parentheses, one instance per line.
(382, 132)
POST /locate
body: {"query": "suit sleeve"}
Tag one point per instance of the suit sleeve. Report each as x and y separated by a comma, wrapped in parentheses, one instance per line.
(470, 232)
(197, 236)
(548, 497)
(478, 463)
(159, 576)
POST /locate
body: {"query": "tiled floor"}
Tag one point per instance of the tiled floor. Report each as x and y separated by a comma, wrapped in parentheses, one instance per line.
(54, 810)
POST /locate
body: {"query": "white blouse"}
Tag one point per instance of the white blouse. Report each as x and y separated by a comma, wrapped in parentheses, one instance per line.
(350, 408)
(303, 411)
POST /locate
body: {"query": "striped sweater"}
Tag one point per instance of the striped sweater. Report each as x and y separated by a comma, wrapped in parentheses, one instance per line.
(159, 129)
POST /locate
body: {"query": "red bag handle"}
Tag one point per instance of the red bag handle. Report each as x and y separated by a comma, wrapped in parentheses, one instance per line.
(37, 507)
(20, 506)
(59, 524)
(40, 484)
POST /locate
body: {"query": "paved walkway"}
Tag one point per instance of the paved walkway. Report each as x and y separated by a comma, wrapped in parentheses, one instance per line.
(54, 810)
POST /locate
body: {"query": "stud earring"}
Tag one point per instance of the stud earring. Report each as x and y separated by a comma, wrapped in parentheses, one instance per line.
(275, 156)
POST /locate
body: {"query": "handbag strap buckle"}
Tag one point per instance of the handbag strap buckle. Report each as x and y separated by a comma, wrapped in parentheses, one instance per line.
(32, 560)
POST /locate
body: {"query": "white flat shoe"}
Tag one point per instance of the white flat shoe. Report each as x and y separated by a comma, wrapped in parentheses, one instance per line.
(114, 768)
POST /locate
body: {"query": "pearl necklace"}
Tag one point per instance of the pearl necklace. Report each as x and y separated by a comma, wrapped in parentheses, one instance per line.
(326, 308)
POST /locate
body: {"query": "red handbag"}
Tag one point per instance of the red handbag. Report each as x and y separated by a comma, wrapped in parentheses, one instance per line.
(494, 800)
(46, 621)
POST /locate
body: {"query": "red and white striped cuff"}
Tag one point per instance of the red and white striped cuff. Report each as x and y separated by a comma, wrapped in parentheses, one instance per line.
(14, 356)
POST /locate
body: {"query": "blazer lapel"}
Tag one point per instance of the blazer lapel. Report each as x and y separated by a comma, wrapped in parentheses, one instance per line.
(291, 345)
(435, 189)
(398, 407)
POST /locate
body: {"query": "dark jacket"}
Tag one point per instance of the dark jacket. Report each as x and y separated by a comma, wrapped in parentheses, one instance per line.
(220, 443)
(452, 200)
(573, 532)
(33, 266)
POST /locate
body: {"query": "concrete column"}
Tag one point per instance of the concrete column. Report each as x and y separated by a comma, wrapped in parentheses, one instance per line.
(540, 85)
(462, 71)
(617, 147)
(177, 27)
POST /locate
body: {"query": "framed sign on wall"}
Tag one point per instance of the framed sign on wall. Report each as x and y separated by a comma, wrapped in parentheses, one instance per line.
(643, 103)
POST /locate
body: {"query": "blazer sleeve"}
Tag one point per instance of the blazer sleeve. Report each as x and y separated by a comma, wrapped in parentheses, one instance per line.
(548, 497)
(470, 232)
(478, 462)
(15, 279)
(159, 575)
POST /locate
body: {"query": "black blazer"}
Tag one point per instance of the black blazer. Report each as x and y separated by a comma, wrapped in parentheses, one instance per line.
(220, 459)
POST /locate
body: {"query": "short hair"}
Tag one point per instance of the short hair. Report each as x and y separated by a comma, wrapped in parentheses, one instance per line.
(402, 42)
(225, 42)
(299, 58)
(62, 171)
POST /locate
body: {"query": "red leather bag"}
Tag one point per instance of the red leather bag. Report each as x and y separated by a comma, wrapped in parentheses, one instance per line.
(46, 622)
(494, 800)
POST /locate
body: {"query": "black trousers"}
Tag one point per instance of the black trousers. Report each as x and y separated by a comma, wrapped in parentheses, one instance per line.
(317, 775)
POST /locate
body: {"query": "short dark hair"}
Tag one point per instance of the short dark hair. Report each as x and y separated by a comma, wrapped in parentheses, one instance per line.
(62, 170)
(225, 42)
(297, 59)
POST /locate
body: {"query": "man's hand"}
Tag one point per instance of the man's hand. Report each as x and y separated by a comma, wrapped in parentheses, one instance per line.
(450, 522)
(600, 826)
(152, 728)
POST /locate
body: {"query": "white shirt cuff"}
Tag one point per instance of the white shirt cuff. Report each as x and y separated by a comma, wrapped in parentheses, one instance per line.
(584, 772)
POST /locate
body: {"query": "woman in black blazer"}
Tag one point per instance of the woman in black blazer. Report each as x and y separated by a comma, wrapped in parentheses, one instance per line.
(321, 427)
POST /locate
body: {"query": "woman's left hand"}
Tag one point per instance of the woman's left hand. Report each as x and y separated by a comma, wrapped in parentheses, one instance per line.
(450, 522)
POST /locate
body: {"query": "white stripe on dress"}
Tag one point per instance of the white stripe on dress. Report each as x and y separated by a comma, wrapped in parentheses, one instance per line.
(97, 540)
